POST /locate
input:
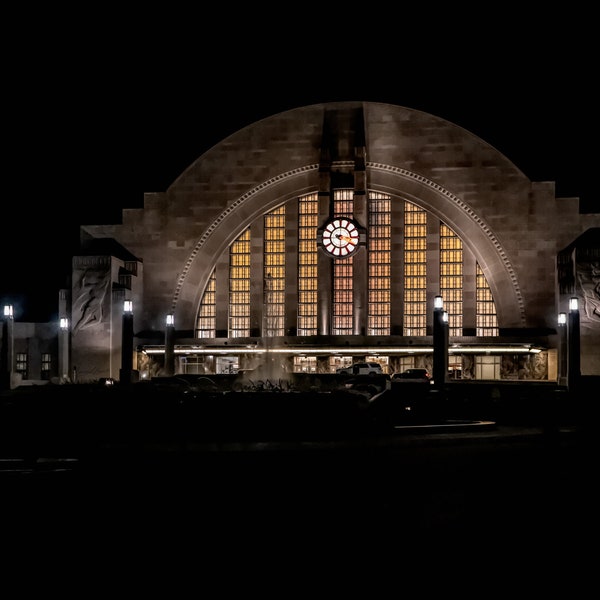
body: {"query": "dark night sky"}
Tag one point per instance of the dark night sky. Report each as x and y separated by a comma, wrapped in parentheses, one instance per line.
(80, 144)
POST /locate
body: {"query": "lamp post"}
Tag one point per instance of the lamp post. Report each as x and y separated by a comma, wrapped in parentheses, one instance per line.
(573, 343)
(562, 348)
(64, 350)
(446, 341)
(170, 346)
(8, 348)
(440, 343)
(127, 343)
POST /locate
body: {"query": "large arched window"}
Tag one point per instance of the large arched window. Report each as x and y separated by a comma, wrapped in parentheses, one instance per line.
(397, 274)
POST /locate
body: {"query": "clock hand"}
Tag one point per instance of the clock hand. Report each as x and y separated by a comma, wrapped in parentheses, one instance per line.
(345, 238)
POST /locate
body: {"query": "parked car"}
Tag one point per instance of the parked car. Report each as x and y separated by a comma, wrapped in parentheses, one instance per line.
(361, 368)
(414, 374)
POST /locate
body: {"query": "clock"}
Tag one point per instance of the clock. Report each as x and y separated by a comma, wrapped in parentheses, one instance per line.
(340, 237)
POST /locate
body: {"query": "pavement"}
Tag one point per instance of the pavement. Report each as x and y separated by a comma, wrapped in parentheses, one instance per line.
(414, 481)
(456, 504)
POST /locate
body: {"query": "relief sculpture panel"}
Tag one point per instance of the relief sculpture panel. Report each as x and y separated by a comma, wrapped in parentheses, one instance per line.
(588, 278)
(91, 295)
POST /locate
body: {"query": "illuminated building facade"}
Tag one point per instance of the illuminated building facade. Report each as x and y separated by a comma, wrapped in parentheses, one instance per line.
(320, 236)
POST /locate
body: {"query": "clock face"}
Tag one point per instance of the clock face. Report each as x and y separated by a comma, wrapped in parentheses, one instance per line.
(340, 237)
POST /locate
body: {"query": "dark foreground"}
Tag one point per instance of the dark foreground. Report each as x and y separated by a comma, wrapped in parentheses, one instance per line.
(456, 491)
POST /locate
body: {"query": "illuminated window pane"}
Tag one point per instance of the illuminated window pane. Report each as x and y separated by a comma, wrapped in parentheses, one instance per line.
(308, 213)
(451, 281)
(239, 286)
(21, 363)
(487, 322)
(274, 273)
(343, 273)
(46, 362)
(415, 270)
(206, 322)
(379, 269)
(305, 364)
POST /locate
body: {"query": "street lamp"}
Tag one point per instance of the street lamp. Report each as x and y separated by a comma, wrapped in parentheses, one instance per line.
(573, 343)
(440, 342)
(170, 345)
(127, 343)
(562, 347)
(8, 348)
(64, 349)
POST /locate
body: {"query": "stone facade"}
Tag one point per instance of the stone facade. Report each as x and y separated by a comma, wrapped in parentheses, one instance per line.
(514, 228)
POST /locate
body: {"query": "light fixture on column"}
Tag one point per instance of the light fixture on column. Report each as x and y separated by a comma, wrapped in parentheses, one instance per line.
(64, 350)
(562, 348)
(446, 341)
(127, 343)
(170, 345)
(7, 347)
(573, 345)
(440, 343)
